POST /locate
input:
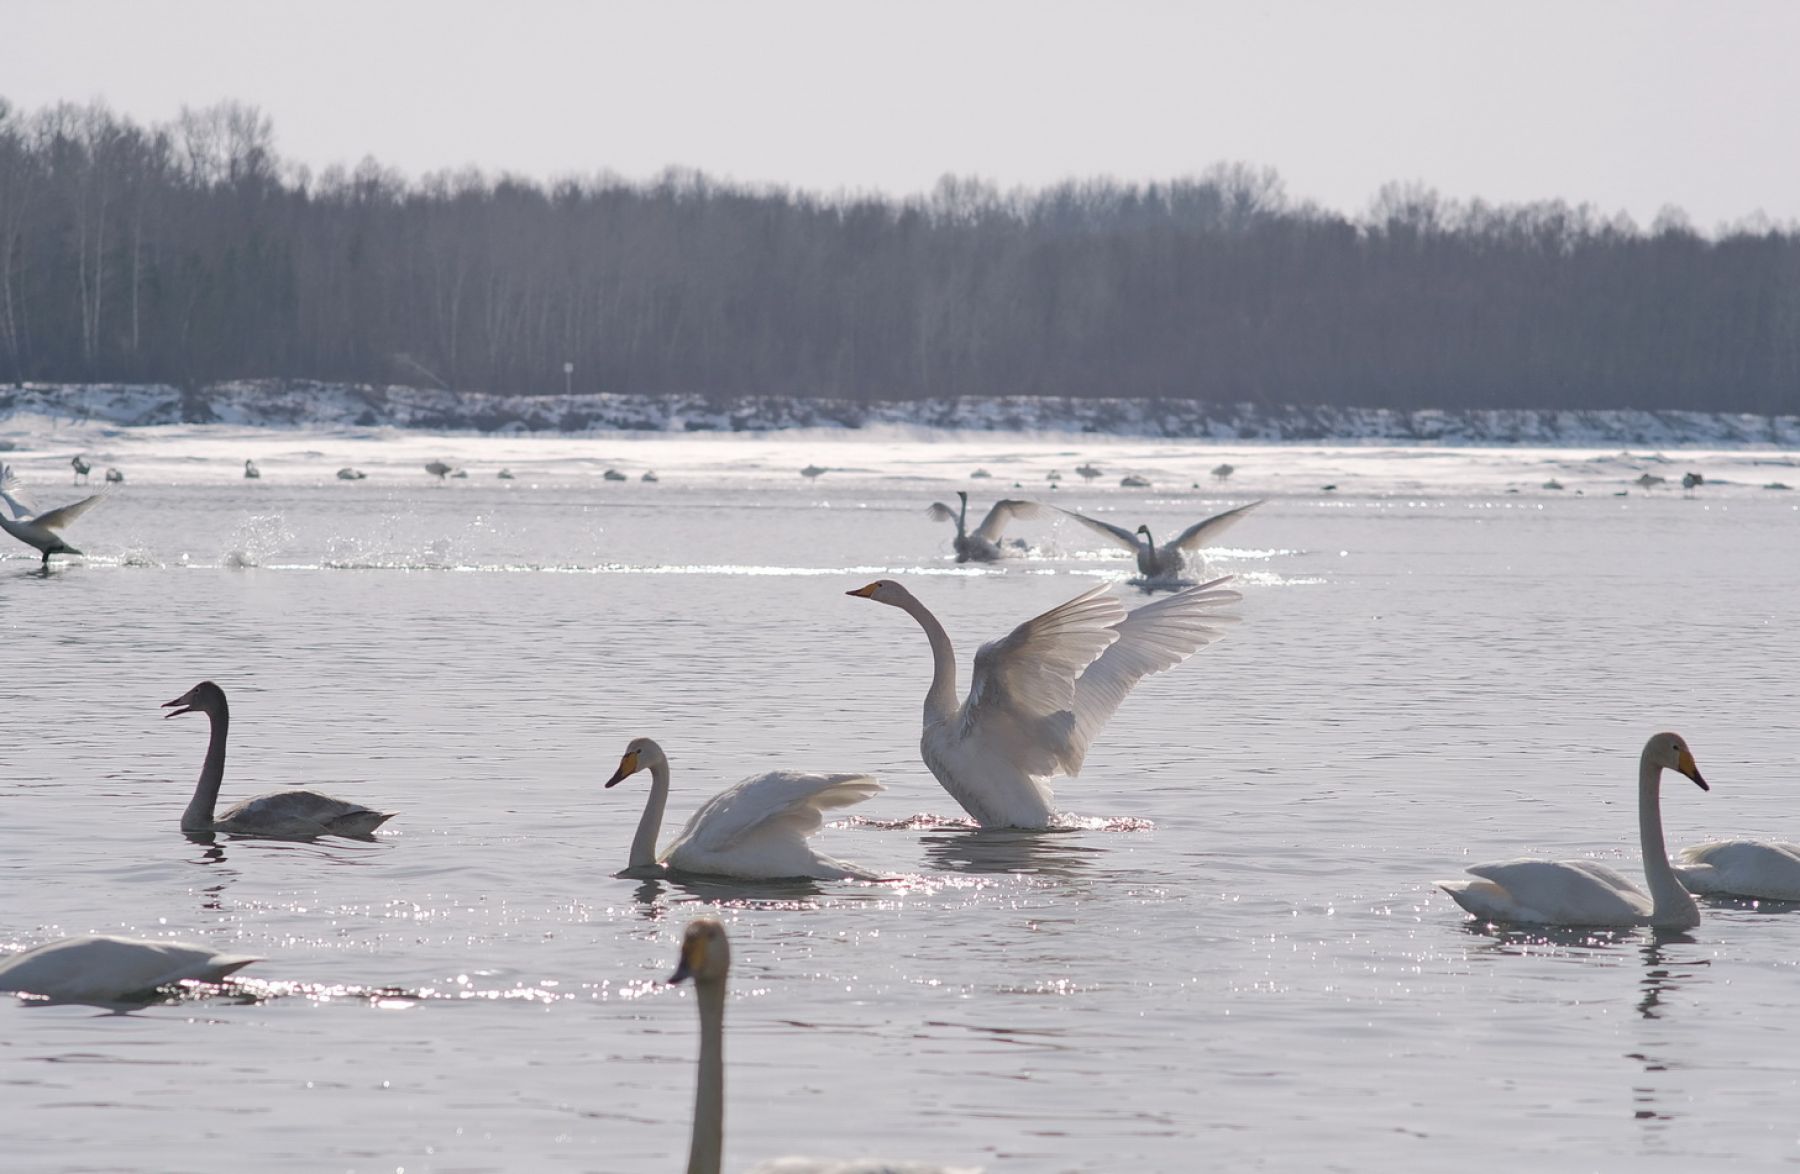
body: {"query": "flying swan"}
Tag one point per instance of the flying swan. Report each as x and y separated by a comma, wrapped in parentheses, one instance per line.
(983, 545)
(104, 969)
(1166, 562)
(706, 959)
(1039, 695)
(1582, 892)
(280, 815)
(756, 830)
(33, 528)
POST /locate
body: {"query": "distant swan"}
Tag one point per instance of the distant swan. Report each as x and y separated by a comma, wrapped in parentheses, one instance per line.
(438, 469)
(706, 959)
(282, 815)
(104, 969)
(1169, 560)
(348, 474)
(251, 471)
(1585, 893)
(1039, 695)
(1741, 868)
(81, 467)
(35, 529)
(983, 545)
(756, 830)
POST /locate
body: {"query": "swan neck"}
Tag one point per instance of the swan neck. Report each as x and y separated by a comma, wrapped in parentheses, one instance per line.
(707, 1148)
(1672, 904)
(940, 699)
(199, 814)
(643, 845)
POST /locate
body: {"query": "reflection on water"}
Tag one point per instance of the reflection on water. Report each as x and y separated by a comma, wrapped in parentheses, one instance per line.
(1010, 850)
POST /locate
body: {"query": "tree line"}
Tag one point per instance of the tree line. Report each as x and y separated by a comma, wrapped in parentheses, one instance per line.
(191, 253)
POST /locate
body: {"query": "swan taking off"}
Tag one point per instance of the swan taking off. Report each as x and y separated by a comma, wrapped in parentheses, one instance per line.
(1741, 868)
(33, 528)
(756, 830)
(706, 960)
(1039, 695)
(1168, 561)
(982, 546)
(103, 969)
(279, 815)
(1582, 892)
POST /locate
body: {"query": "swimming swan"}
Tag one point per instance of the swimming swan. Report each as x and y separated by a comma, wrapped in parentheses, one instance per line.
(706, 959)
(983, 545)
(1168, 560)
(756, 830)
(103, 969)
(1583, 893)
(1741, 868)
(282, 815)
(33, 528)
(1039, 695)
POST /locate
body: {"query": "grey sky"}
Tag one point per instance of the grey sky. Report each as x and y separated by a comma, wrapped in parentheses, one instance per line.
(1628, 104)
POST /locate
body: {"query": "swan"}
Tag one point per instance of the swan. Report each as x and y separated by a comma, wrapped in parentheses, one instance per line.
(706, 960)
(251, 471)
(756, 830)
(1223, 472)
(1039, 695)
(35, 529)
(1168, 560)
(1088, 472)
(114, 477)
(437, 469)
(982, 546)
(105, 969)
(1741, 868)
(81, 468)
(282, 815)
(1583, 893)
(349, 474)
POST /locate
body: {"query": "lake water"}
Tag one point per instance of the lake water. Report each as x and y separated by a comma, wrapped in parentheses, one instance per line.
(1241, 964)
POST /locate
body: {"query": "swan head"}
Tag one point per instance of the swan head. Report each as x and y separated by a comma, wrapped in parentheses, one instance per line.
(205, 697)
(705, 952)
(641, 754)
(883, 591)
(1671, 752)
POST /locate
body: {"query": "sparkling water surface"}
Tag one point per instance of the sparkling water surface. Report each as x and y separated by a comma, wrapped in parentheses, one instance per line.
(1238, 962)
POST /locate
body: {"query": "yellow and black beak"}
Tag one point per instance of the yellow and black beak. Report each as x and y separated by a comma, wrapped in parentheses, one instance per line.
(1684, 762)
(865, 592)
(628, 766)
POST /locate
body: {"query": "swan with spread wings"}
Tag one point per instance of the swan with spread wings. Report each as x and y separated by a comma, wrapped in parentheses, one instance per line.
(33, 528)
(1040, 694)
(981, 545)
(1162, 564)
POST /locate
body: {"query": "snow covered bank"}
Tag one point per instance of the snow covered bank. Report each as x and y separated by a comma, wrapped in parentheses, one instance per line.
(289, 404)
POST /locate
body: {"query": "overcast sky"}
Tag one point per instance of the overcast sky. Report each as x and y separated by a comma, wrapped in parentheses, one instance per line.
(1627, 104)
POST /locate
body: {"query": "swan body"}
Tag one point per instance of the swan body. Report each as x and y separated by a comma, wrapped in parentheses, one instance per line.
(982, 545)
(104, 969)
(438, 469)
(1039, 695)
(81, 467)
(1741, 868)
(280, 815)
(1583, 893)
(348, 474)
(1168, 561)
(251, 472)
(706, 959)
(756, 830)
(42, 531)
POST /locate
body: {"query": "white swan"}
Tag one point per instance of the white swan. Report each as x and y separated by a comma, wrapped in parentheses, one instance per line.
(1583, 893)
(706, 959)
(33, 528)
(438, 469)
(1039, 695)
(282, 815)
(756, 830)
(983, 544)
(1741, 868)
(104, 969)
(1169, 560)
(251, 472)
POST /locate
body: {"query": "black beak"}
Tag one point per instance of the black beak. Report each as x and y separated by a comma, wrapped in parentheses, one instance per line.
(187, 706)
(618, 776)
(681, 971)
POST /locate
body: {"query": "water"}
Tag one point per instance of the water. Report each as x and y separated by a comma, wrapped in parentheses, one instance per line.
(1431, 672)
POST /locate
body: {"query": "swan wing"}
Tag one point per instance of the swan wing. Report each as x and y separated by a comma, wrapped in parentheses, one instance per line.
(1741, 868)
(1002, 513)
(937, 511)
(1204, 533)
(57, 518)
(288, 813)
(106, 968)
(1551, 892)
(1118, 534)
(1151, 639)
(785, 803)
(12, 491)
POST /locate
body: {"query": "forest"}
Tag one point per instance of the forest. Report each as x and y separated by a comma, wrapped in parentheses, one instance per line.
(190, 253)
